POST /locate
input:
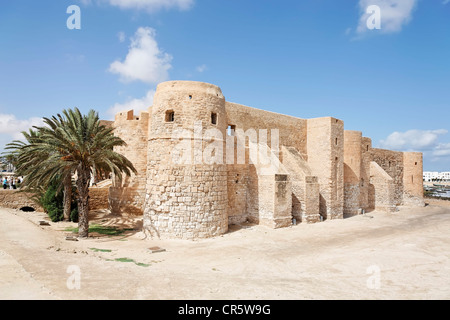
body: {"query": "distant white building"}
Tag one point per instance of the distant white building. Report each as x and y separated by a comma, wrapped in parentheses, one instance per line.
(429, 176)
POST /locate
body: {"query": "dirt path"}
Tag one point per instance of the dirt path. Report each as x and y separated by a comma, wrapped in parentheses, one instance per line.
(405, 255)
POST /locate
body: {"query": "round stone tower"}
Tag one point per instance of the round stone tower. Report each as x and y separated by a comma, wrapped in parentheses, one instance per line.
(186, 193)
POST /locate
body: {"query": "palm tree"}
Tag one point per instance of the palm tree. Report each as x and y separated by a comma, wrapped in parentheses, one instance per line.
(30, 158)
(74, 143)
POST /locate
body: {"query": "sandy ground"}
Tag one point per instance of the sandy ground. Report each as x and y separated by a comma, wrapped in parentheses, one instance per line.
(405, 255)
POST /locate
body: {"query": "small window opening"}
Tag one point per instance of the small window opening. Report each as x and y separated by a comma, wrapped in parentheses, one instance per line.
(336, 141)
(415, 164)
(214, 118)
(170, 116)
(190, 97)
(231, 130)
(367, 148)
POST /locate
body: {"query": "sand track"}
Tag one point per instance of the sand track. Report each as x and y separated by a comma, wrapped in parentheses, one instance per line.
(405, 255)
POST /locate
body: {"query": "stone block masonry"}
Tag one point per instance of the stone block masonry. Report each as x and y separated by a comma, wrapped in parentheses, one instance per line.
(15, 200)
(192, 183)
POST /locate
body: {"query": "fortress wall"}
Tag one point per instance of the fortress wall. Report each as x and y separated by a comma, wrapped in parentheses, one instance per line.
(98, 198)
(382, 189)
(413, 178)
(253, 195)
(326, 159)
(305, 187)
(128, 200)
(311, 213)
(237, 185)
(282, 214)
(128, 195)
(325, 170)
(270, 199)
(292, 131)
(366, 158)
(392, 163)
(107, 123)
(352, 171)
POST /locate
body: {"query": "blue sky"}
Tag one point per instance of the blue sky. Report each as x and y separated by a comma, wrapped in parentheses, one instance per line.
(305, 58)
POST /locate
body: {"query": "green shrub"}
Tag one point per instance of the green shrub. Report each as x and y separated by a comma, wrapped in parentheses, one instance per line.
(53, 203)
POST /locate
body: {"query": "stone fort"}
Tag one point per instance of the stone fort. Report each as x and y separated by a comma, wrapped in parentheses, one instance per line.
(323, 171)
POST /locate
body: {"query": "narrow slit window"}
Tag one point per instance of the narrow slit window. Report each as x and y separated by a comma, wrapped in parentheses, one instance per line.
(170, 116)
(214, 118)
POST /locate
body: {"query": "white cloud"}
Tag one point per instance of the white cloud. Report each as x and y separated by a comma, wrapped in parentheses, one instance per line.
(145, 60)
(394, 14)
(442, 149)
(13, 127)
(436, 154)
(202, 68)
(152, 5)
(147, 5)
(413, 140)
(445, 1)
(121, 35)
(137, 105)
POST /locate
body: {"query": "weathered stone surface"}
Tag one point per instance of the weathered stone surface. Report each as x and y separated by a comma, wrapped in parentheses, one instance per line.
(16, 200)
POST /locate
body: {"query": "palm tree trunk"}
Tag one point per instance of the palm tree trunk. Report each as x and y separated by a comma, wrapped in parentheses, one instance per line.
(83, 201)
(67, 196)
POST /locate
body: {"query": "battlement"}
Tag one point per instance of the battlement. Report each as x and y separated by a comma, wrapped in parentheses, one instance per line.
(129, 115)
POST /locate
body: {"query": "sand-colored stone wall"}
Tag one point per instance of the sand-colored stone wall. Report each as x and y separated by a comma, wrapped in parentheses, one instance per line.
(15, 200)
(382, 189)
(98, 198)
(413, 178)
(292, 131)
(366, 158)
(237, 186)
(392, 163)
(128, 195)
(326, 160)
(352, 171)
(305, 187)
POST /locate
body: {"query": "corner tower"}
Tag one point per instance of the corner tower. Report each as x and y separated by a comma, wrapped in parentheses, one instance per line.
(186, 194)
